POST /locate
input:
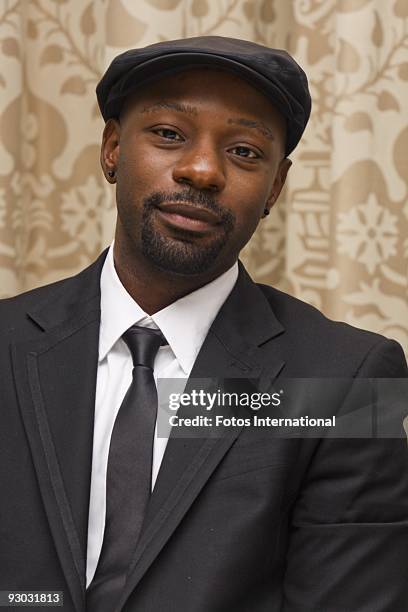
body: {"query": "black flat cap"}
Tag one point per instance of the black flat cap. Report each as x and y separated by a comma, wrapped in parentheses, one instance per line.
(272, 71)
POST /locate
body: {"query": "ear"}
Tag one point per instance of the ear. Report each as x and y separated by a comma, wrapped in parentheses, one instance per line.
(278, 184)
(110, 149)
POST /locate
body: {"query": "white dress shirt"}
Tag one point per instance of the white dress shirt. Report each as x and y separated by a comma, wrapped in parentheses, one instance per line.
(185, 324)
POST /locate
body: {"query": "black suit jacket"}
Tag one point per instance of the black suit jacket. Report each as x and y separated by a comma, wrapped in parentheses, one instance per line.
(244, 521)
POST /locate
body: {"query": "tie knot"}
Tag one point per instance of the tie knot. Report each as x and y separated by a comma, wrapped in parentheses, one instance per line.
(143, 344)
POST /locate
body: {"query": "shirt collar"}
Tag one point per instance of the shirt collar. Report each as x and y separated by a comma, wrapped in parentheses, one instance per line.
(184, 323)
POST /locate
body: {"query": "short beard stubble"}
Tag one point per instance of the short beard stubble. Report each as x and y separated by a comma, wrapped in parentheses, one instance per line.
(184, 257)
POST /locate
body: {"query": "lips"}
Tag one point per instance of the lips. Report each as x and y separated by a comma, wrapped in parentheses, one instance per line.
(188, 216)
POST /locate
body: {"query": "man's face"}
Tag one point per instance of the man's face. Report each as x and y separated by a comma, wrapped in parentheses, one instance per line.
(198, 157)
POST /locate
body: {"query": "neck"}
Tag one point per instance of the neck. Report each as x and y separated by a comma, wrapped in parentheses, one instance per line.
(152, 288)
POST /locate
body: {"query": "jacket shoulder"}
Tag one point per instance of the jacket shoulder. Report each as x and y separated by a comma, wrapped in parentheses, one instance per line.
(290, 309)
(339, 346)
(13, 309)
(60, 295)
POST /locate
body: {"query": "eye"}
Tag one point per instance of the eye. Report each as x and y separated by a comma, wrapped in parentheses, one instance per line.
(168, 134)
(245, 152)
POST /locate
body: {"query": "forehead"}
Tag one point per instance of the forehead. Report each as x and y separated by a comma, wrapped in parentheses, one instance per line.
(206, 87)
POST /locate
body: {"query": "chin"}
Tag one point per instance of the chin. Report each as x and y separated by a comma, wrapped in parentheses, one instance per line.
(181, 257)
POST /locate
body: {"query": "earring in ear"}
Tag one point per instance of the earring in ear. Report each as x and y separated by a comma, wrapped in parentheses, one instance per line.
(266, 212)
(111, 173)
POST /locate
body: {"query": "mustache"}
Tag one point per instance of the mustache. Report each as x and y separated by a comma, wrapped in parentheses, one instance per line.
(199, 198)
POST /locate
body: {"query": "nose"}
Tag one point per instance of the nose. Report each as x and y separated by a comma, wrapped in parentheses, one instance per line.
(200, 167)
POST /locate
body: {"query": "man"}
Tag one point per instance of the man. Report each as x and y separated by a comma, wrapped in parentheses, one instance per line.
(197, 139)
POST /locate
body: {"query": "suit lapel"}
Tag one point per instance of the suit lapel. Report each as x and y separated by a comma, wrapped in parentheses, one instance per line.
(232, 349)
(55, 377)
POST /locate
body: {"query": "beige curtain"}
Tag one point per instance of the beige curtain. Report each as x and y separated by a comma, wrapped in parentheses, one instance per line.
(338, 236)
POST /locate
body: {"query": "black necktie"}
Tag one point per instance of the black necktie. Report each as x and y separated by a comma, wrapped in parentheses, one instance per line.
(128, 479)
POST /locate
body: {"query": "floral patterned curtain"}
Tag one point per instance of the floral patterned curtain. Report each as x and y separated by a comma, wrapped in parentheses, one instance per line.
(338, 236)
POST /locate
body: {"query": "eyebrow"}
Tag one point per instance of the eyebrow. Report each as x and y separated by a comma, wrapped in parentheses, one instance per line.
(181, 108)
(192, 110)
(256, 125)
